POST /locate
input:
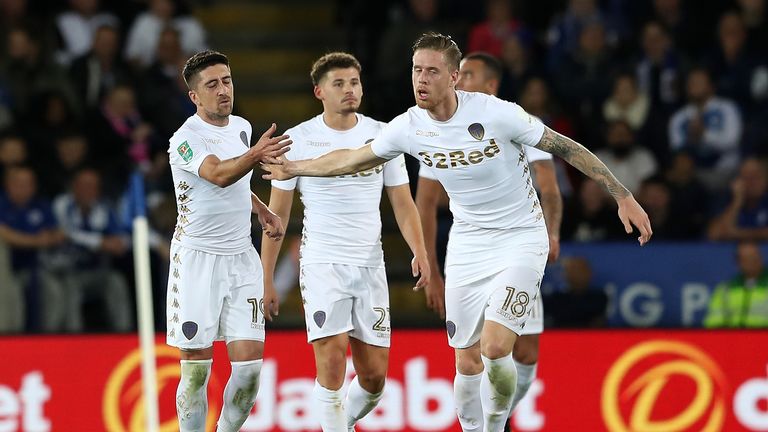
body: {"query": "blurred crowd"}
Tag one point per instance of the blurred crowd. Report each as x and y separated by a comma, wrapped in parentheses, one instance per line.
(88, 95)
(672, 95)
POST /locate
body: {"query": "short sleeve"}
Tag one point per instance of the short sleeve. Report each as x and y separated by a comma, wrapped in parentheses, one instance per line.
(393, 139)
(535, 155)
(188, 153)
(395, 173)
(521, 127)
(292, 155)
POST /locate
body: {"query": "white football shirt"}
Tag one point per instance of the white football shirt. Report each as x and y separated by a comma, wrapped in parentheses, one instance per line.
(479, 156)
(211, 219)
(342, 220)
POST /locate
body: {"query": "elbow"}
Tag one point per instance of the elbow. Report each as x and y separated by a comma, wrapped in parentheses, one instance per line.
(223, 181)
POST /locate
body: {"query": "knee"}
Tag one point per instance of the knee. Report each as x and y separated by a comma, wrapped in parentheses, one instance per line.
(469, 365)
(526, 357)
(494, 349)
(372, 382)
(332, 369)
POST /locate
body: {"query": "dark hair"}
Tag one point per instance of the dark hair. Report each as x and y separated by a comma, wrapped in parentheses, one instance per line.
(441, 43)
(491, 63)
(200, 61)
(330, 61)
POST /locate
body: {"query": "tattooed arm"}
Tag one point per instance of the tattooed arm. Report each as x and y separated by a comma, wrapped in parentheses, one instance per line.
(577, 155)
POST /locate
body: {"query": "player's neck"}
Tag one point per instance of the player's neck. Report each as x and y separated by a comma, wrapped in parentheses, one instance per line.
(340, 121)
(215, 120)
(446, 109)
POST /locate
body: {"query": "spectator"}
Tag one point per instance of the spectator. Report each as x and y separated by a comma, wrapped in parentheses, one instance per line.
(677, 23)
(581, 77)
(627, 103)
(563, 36)
(655, 196)
(120, 138)
(70, 155)
(739, 73)
(517, 68)
(580, 305)
(27, 72)
(163, 95)
(629, 162)
(500, 24)
(392, 74)
(658, 68)
(537, 100)
(589, 216)
(745, 218)
(99, 70)
(13, 151)
(690, 199)
(753, 14)
(709, 128)
(28, 227)
(77, 27)
(144, 34)
(741, 302)
(94, 241)
(54, 116)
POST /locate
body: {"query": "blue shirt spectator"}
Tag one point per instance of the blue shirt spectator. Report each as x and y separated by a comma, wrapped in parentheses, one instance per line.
(709, 128)
(27, 223)
(34, 217)
(90, 223)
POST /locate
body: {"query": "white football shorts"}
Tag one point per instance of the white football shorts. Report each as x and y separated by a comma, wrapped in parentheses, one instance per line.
(497, 282)
(340, 298)
(214, 297)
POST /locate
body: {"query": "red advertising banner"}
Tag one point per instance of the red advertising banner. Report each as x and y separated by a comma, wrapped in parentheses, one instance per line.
(588, 381)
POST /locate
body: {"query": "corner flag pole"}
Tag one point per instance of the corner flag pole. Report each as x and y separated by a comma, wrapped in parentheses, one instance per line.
(144, 302)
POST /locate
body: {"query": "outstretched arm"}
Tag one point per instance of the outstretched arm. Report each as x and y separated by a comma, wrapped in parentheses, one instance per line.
(577, 155)
(335, 163)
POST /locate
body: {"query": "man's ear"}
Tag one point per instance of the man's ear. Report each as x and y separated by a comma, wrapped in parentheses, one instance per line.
(318, 92)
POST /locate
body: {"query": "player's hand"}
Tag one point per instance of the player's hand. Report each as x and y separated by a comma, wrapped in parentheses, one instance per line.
(280, 170)
(554, 249)
(631, 213)
(268, 149)
(435, 293)
(420, 269)
(271, 303)
(270, 223)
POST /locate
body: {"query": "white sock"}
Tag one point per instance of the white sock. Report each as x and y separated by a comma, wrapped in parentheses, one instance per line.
(466, 395)
(359, 402)
(497, 389)
(525, 376)
(329, 408)
(191, 395)
(239, 395)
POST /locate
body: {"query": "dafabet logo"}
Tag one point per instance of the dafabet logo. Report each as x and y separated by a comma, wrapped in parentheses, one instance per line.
(123, 402)
(664, 385)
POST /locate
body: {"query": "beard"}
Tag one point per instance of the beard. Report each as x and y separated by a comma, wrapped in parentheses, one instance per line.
(425, 104)
(220, 114)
